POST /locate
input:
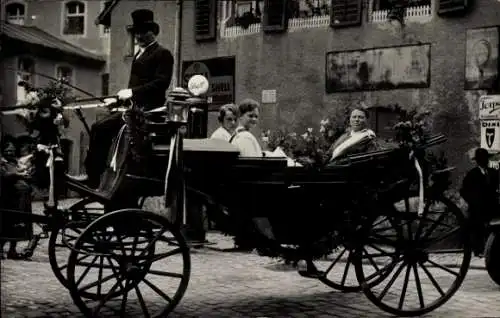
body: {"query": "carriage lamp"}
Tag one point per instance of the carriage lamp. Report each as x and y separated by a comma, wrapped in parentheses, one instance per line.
(177, 105)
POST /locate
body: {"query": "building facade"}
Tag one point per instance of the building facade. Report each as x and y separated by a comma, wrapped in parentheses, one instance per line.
(309, 59)
(58, 39)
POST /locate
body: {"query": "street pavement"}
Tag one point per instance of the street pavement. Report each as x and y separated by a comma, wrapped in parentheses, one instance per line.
(235, 285)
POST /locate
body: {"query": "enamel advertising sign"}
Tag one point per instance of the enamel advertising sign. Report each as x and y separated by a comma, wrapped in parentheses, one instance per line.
(489, 116)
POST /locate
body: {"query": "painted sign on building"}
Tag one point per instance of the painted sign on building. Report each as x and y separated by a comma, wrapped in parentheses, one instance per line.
(489, 116)
(220, 73)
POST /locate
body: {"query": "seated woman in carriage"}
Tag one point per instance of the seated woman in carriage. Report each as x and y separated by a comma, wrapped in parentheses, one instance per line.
(357, 138)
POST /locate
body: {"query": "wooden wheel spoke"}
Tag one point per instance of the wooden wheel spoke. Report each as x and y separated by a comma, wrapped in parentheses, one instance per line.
(103, 280)
(157, 290)
(85, 272)
(431, 229)
(141, 301)
(123, 307)
(443, 268)
(382, 270)
(166, 274)
(405, 286)
(432, 279)
(391, 281)
(101, 303)
(99, 275)
(335, 261)
(153, 241)
(161, 256)
(419, 286)
(77, 261)
(370, 259)
(346, 270)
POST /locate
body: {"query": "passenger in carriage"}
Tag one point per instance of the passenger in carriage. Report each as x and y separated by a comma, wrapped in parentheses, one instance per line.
(357, 138)
(243, 137)
(228, 116)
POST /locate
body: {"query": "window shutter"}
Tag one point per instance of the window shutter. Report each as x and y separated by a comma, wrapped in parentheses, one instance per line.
(452, 6)
(205, 27)
(275, 16)
(346, 13)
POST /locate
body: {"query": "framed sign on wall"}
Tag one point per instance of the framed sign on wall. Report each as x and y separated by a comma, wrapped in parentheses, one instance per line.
(481, 60)
(378, 69)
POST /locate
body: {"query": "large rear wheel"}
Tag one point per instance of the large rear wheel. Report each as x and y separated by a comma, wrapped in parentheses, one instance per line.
(423, 259)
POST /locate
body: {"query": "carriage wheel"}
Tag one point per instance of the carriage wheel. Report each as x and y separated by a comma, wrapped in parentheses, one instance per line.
(80, 214)
(492, 257)
(428, 255)
(86, 211)
(344, 277)
(339, 273)
(137, 257)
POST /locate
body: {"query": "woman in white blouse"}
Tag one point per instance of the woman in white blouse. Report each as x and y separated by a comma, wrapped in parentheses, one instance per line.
(243, 138)
(227, 118)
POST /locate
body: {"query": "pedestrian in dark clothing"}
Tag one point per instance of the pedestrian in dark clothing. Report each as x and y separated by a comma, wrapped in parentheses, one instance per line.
(16, 196)
(480, 189)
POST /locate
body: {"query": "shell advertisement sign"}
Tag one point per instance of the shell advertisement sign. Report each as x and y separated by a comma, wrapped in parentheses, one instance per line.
(489, 116)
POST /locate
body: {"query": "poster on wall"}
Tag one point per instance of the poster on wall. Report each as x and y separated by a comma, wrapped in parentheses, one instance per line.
(220, 73)
(378, 69)
(481, 59)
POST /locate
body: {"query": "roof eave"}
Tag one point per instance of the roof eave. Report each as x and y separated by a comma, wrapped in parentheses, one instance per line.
(107, 11)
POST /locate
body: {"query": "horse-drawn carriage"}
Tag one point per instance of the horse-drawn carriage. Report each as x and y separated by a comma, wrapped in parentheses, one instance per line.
(365, 209)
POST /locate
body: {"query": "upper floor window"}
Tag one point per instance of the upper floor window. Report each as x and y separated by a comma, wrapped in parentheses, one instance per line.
(74, 18)
(309, 8)
(64, 74)
(15, 13)
(387, 4)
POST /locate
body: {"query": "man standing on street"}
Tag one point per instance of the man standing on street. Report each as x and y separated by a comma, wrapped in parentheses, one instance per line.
(150, 77)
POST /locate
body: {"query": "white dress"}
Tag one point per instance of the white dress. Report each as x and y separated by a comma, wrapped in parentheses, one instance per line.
(221, 133)
(247, 144)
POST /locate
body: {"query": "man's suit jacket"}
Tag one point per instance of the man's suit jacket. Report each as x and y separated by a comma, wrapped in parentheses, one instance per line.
(480, 192)
(150, 76)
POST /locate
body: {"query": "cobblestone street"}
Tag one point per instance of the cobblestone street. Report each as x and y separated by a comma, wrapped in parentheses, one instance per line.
(232, 285)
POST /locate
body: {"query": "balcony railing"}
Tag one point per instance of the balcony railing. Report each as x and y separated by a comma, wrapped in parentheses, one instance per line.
(308, 23)
(420, 14)
(293, 25)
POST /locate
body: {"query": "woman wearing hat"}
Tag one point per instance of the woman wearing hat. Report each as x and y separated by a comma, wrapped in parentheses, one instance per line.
(150, 77)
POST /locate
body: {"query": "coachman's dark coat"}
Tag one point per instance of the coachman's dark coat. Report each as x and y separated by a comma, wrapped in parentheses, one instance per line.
(150, 76)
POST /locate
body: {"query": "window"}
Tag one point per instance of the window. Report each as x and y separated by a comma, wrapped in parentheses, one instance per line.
(275, 16)
(74, 18)
(308, 8)
(15, 13)
(64, 74)
(346, 13)
(452, 6)
(205, 20)
(25, 73)
(387, 4)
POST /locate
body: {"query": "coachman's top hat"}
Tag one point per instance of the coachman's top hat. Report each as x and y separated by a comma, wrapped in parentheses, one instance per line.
(143, 21)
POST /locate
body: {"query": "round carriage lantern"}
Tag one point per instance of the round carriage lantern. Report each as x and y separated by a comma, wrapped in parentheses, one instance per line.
(177, 105)
(198, 85)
